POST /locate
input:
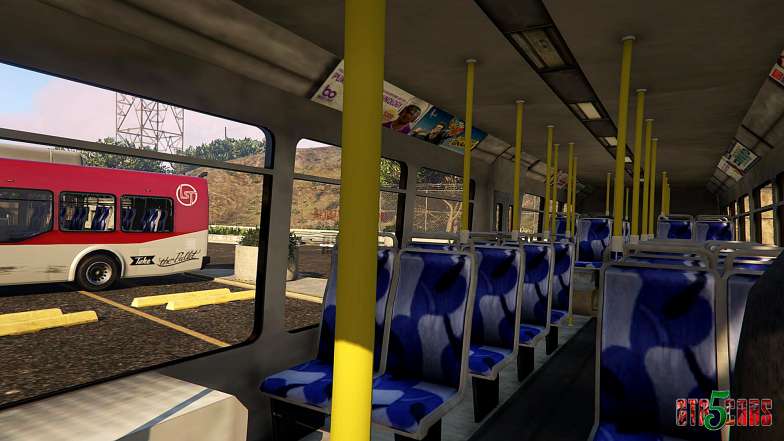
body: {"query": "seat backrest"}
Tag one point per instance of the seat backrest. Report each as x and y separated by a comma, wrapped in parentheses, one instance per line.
(537, 286)
(667, 260)
(593, 237)
(99, 218)
(161, 224)
(384, 271)
(562, 275)
(498, 288)
(430, 317)
(128, 215)
(674, 229)
(713, 230)
(657, 343)
(738, 289)
(432, 246)
(79, 218)
(560, 225)
(626, 231)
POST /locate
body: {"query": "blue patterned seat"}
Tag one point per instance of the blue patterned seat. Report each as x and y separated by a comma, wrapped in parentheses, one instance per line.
(537, 290)
(560, 226)
(657, 343)
(496, 315)
(626, 231)
(667, 260)
(426, 347)
(713, 230)
(310, 383)
(593, 237)
(562, 281)
(432, 246)
(738, 289)
(674, 229)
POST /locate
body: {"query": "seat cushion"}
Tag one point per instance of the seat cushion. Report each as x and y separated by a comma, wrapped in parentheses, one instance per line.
(609, 432)
(556, 315)
(482, 359)
(308, 383)
(529, 332)
(588, 264)
(402, 403)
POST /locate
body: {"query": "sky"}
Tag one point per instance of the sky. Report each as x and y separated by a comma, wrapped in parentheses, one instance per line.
(34, 102)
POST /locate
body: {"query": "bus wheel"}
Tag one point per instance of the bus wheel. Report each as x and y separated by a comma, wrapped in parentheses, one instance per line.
(96, 272)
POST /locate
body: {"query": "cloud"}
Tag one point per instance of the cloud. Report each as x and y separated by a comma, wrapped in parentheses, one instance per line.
(74, 110)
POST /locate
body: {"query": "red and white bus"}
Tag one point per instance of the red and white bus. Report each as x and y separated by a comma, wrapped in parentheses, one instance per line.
(62, 223)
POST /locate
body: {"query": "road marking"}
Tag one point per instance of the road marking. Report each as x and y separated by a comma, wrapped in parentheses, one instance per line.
(29, 315)
(140, 302)
(305, 297)
(57, 321)
(158, 320)
(293, 295)
(195, 302)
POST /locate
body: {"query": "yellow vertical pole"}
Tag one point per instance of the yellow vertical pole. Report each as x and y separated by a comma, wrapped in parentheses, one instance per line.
(554, 193)
(574, 198)
(365, 22)
(469, 120)
(626, 205)
(607, 198)
(664, 194)
(573, 209)
(518, 151)
(546, 224)
(620, 150)
(569, 191)
(647, 178)
(652, 201)
(667, 212)
(639, 113)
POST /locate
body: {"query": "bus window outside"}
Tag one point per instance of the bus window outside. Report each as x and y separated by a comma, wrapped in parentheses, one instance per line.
(148, 261)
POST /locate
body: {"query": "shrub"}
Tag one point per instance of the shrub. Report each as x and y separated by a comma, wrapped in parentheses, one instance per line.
(293, 244)
(250, 238)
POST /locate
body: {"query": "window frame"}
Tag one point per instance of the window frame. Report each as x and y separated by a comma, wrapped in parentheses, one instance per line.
(171, 201)
(51, 219)
(266, 171)
(60, 204)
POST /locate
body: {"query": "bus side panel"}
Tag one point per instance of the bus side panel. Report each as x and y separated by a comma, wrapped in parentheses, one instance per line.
(164, 256)
(20, 264)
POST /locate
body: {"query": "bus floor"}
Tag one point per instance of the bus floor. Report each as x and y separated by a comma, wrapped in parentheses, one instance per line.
(554, 403)
(124, 339)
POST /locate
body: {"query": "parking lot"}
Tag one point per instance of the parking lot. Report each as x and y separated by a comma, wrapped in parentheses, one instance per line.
(125, 338)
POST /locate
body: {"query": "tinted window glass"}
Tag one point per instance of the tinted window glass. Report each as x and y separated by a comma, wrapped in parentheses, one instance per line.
(86, 212)
(24, 213)
(146, 214)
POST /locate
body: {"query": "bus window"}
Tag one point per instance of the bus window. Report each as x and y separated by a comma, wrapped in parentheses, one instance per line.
(86, 212)
(146, 214)
(24, 213)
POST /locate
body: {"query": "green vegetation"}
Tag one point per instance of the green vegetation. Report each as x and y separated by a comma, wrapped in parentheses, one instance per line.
(250, 238)
(229, 231)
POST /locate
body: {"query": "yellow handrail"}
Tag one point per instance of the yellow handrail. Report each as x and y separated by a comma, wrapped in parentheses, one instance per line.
(469, 120)
(365, 22)
(647, 178)
(620, 150)
(518, 151)
(652, 201)
(640, 112)
(554, 193)
(546, 224)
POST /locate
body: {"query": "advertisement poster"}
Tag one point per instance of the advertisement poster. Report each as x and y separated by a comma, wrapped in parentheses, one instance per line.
(401, 109)
(432, 127)
(777, 73)
(455, 136)
(741, 157)
(729, 169)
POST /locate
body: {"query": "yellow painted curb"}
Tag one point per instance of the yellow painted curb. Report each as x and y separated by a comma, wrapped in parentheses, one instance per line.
(195, 302)
(14, 317)
(141, 302)
(76, 318)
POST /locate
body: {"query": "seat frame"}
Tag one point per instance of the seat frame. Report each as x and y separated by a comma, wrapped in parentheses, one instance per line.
(525, 351)
(721, 334)
(551, 341)
(485, 388)
(430, 426)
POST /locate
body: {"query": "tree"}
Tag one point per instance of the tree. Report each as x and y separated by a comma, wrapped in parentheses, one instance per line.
(223, 149)
(390, 173)
(110, 160)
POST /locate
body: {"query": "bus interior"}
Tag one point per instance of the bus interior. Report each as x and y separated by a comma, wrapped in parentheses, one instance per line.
(571, 214)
